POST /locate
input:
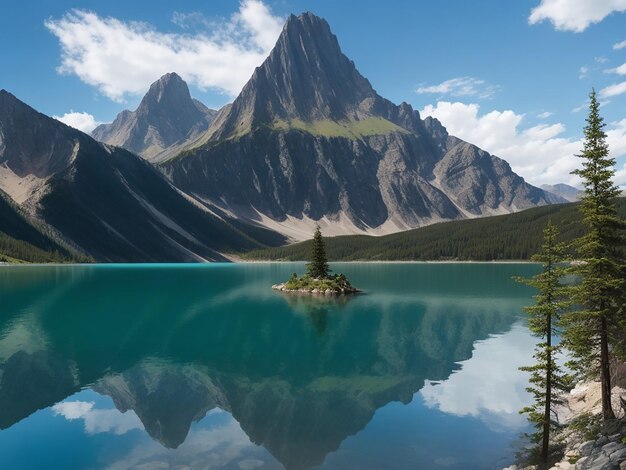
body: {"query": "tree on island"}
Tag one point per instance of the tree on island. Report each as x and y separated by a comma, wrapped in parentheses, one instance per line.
(594, 331)
(317, 279)
(318, 267)
(552, 301)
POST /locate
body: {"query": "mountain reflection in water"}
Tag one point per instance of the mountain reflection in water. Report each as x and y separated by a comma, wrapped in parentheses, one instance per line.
(175, 346)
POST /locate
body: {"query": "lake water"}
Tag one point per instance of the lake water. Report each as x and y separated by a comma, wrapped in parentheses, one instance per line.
(204, 366)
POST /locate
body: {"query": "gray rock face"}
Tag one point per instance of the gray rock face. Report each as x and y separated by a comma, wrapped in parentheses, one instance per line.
(105, 201)
(166, 120)
(308, 137)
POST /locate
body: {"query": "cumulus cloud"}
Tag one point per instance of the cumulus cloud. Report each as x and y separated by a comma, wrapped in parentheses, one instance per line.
(98, 420)
(613, 90)
(539, 153)
(545, 115)
(123, 58)
(459, 87)
(82, 121)
(619, 45)
(574, 15)
(583, 72)
(495, 397)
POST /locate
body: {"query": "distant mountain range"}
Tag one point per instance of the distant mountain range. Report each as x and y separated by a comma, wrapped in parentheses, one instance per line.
(307, 141)
(566, 191)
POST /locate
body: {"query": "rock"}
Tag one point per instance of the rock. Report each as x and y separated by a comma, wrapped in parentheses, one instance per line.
(619, 455)
(564, 465)
(623, 465)
(614, 437)
(601, 441)
(586, 448)
(581, 462)
(611, 447)
(601, 462)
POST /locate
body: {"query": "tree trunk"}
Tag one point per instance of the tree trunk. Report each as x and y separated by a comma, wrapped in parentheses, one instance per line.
(605, 372)
(546, 414)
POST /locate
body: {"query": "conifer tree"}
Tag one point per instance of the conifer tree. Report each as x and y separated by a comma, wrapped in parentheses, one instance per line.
(546, 378)
(318, 267)
(593, 330)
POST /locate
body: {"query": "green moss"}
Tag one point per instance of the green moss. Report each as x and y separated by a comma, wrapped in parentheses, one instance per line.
(347, 129)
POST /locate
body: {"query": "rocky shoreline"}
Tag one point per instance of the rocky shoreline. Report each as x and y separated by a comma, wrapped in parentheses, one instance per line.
(603, 450)
(348, 290)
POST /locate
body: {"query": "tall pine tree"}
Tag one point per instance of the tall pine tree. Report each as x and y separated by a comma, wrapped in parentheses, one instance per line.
(318, 267)
(546, 378)
(593, 330)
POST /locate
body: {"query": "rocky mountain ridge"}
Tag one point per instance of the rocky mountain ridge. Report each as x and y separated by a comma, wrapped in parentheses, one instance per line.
(310, 141)
(103, 201)
(166, 120)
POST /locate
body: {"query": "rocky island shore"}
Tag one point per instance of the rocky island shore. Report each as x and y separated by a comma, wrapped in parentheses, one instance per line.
(332, 285)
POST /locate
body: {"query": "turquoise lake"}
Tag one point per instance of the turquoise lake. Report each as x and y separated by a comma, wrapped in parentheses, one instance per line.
(204, 366)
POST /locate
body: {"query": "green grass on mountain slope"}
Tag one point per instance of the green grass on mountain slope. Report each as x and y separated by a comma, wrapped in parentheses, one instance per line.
(347, 129)
(505, 237)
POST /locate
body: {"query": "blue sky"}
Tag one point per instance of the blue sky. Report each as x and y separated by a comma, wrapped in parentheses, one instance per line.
(511, 77)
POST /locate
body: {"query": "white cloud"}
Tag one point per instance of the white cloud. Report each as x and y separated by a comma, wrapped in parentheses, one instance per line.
(82, 121)
(545, 115)
(461, 86)
(495, 397)
(582, 72)
(574, 15)
(98, 420)
(539, 153)
(613, 90)
(124, 58)
(601, 60)
(621, 70)
(619, 45)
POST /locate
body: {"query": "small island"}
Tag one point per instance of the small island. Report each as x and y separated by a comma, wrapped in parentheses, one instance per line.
(318, 279)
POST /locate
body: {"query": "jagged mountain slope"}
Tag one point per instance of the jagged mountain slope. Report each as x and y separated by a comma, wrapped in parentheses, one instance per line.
(309, 140)
(106, 201)
(166, 120)
(22, 239)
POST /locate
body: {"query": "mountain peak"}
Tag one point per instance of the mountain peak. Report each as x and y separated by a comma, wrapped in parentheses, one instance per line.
(165, 118)
(306, 78)
(169, 91)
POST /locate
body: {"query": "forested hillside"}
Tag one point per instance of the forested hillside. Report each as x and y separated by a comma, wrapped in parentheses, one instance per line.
(506, 237)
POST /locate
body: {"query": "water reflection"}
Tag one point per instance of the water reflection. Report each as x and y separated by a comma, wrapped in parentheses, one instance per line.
(172, 346)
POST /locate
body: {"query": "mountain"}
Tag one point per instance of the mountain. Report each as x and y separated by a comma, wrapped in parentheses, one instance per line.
(565, 191)
(309, 141)
(505, 237)
(166, 120)
(105, 202)
(22, 239)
